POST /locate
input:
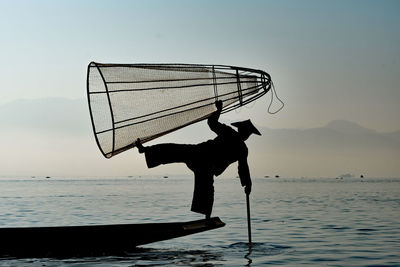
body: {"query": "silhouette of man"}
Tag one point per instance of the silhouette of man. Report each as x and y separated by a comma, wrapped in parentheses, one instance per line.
(208, 158)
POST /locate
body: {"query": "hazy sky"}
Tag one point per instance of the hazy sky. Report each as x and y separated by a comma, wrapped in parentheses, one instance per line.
(328, 59)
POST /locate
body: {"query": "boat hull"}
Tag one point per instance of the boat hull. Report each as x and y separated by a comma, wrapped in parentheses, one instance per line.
(73, 241)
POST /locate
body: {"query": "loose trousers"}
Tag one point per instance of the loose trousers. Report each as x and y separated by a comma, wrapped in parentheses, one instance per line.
(197, 160)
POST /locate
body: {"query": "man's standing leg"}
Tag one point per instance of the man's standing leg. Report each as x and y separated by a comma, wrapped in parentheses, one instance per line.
(203, 195)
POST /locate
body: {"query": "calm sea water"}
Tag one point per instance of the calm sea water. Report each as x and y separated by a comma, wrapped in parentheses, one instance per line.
(309, 222)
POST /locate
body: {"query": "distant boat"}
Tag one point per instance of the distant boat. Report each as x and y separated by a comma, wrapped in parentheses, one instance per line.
(266, 176)
(47, 177)
(70, 241)
(165, 176)
(361, 176)
(347, 175)
(276, 176)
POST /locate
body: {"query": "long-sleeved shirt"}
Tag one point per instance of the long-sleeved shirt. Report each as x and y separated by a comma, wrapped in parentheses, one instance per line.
(226, 148)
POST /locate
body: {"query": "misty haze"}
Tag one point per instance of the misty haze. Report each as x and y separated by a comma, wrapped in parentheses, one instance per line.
(53, 136)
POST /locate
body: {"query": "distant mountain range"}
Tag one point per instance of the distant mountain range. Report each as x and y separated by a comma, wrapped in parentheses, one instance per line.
(338, 147)
(71, 116)
(63, 113)
(336, 134)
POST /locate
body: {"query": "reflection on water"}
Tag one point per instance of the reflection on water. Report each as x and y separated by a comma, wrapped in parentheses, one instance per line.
(142, 257)
(309, 222)
(165, 257)
(160, 257)
(247, 257)
(255, 250)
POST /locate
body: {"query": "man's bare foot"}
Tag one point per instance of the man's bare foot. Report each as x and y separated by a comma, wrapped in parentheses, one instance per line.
(139, 145)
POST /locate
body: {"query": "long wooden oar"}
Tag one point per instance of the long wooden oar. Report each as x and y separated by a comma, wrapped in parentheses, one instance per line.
(248, 218)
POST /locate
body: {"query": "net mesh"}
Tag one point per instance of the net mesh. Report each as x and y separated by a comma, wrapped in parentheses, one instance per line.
(131, 101)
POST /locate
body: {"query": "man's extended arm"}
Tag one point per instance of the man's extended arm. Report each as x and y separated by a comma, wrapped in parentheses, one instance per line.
(213, 122)
(244, 174)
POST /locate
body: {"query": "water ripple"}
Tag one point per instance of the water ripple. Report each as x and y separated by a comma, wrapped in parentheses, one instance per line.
(309, 222)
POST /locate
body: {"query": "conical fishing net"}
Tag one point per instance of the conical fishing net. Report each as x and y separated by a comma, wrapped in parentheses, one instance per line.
(131, 101)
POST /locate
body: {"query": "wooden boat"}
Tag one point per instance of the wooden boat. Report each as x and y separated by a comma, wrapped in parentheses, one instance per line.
(91, 240)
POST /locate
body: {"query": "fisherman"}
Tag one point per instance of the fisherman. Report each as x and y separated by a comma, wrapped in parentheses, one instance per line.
(208, 158)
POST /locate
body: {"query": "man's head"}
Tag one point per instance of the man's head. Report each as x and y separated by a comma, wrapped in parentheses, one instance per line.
(246, 128)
